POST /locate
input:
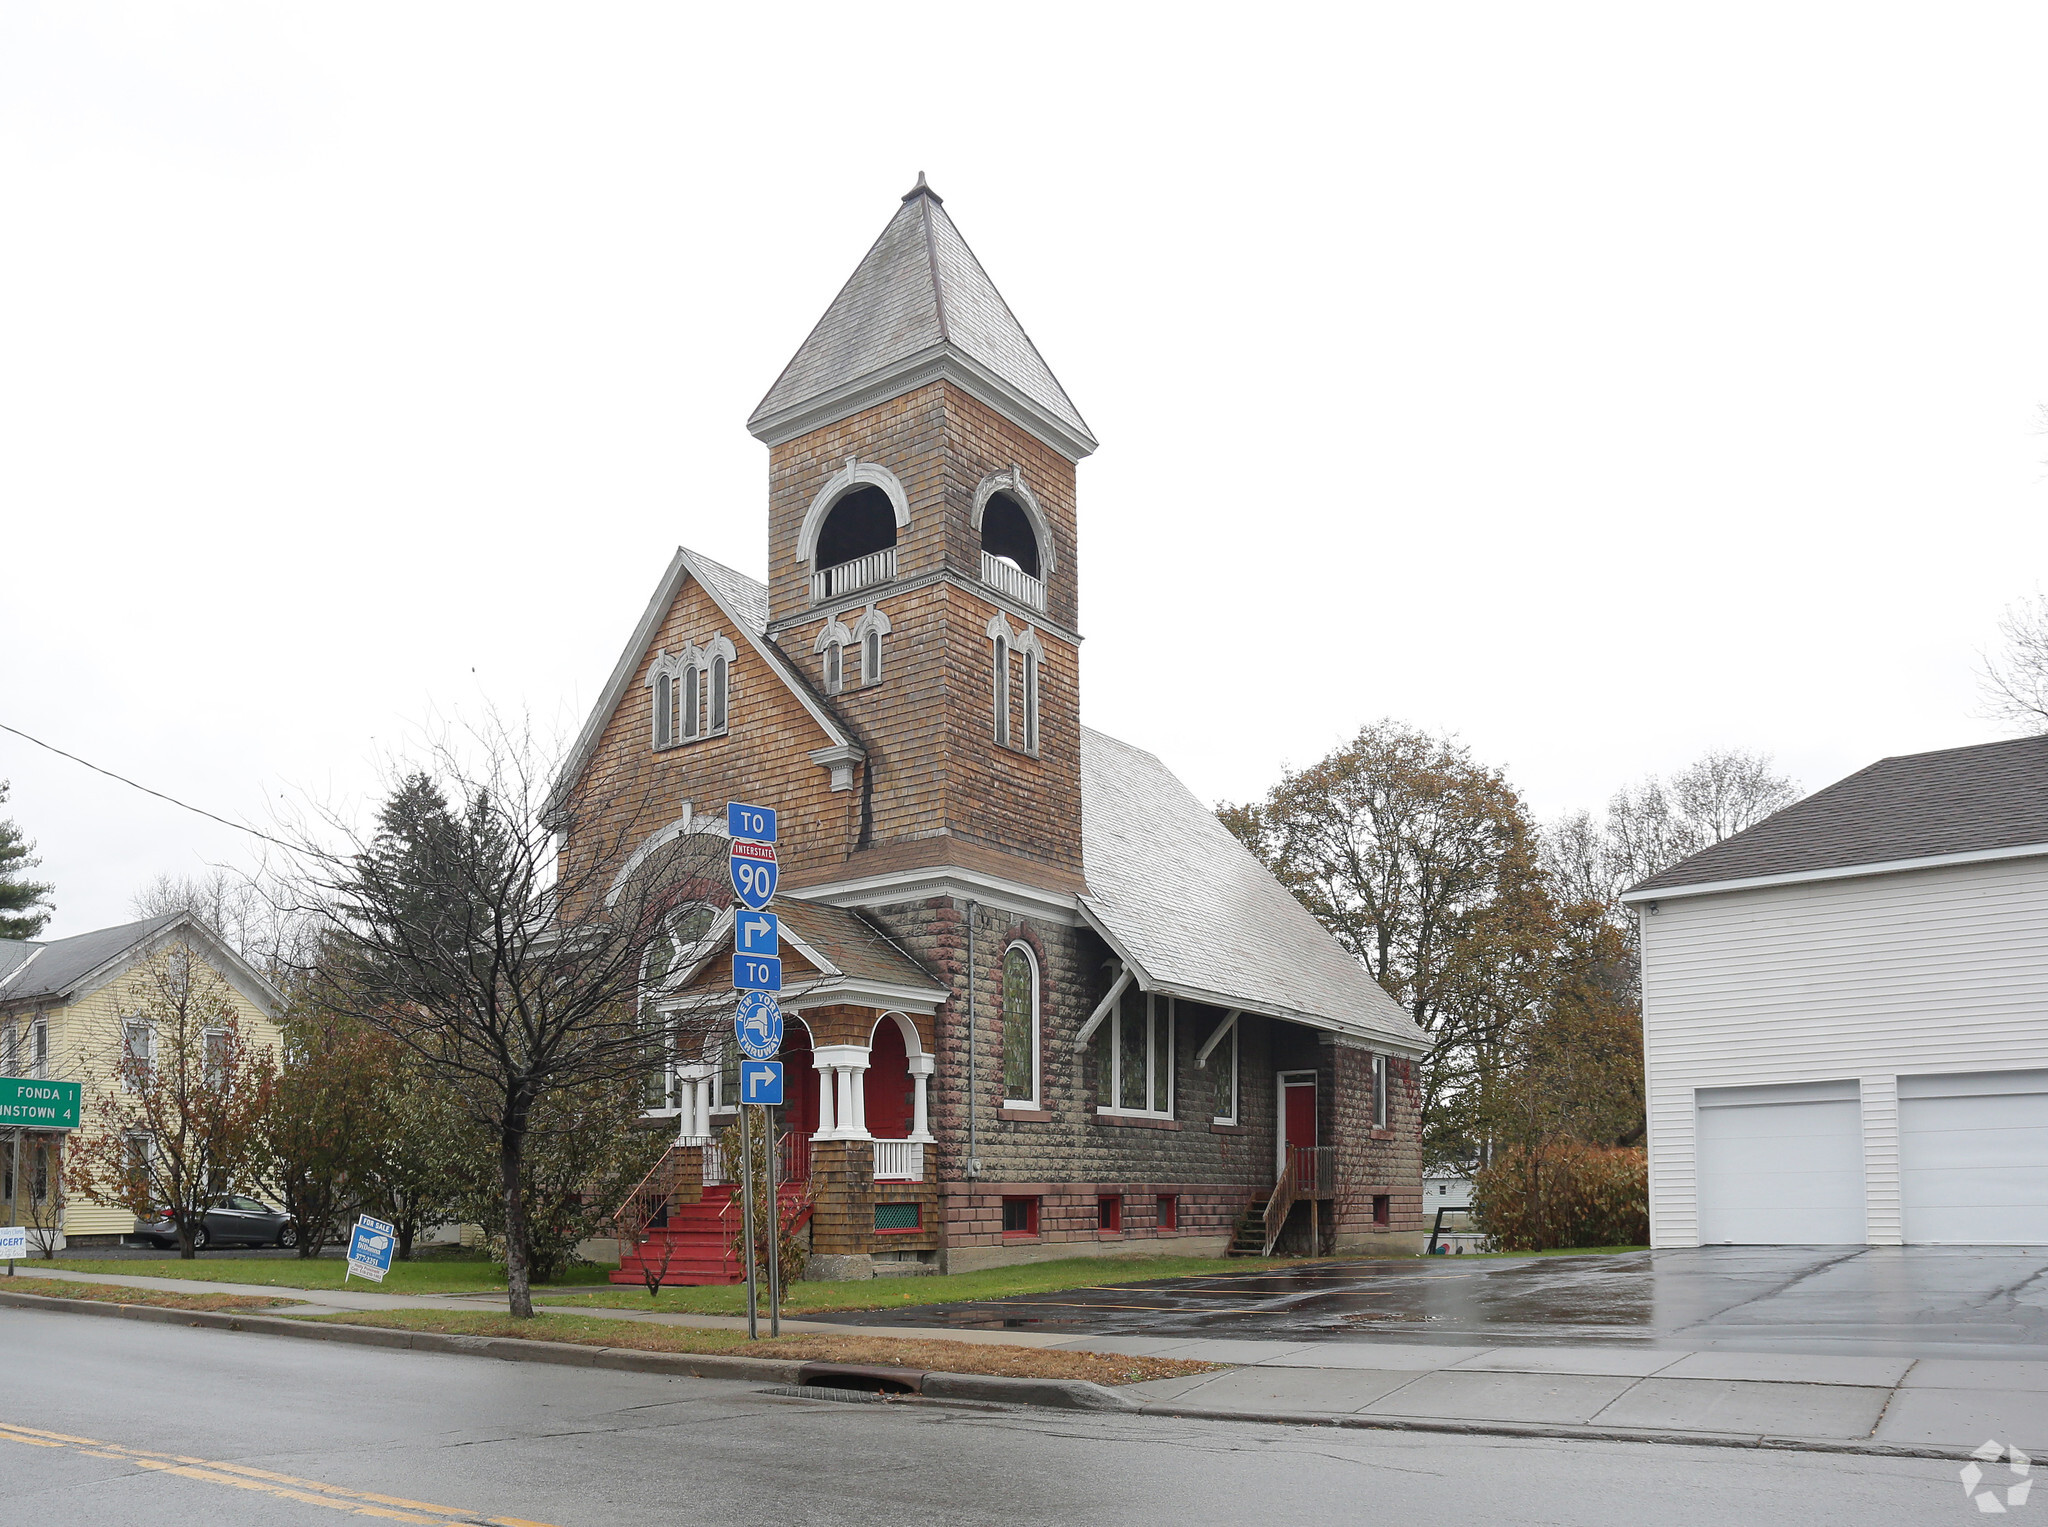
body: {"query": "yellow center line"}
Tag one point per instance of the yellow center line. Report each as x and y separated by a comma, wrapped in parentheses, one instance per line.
(312, 1492)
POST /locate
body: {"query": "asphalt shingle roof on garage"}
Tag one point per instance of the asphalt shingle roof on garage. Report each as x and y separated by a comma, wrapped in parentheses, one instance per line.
(1201, 917)
(1973, 800)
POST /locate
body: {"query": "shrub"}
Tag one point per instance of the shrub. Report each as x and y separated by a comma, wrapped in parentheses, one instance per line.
(1564, 1194)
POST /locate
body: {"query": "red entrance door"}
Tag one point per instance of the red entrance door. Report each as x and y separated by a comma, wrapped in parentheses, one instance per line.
(1298, 1112)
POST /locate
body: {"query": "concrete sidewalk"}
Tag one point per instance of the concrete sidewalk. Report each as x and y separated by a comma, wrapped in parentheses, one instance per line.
(1712, 1395)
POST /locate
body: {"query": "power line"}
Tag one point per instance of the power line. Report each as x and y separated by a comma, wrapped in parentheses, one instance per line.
(124, 779)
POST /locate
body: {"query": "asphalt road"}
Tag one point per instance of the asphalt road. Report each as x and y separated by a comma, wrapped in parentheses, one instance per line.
(1915, 1300)
(117, 1421)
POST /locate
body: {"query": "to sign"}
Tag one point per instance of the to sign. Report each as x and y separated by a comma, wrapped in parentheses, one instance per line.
(369, 1250)
(761, 1082)
(758, 933)
(29, 1104)
(754, 823)
(758, 1026)
(754, 873)
(753, 972)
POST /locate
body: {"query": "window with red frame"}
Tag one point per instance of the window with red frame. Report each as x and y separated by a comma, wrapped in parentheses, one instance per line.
(1169, 1211)
(1109, 1212)
(1020, 1216)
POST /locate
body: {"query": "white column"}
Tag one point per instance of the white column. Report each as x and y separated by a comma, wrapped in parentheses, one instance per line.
(842, 1067)
(694, 1096)
(921, 1068)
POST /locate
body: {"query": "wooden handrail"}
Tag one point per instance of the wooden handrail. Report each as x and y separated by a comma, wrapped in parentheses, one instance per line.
(1279, 1206)
(653, 1194)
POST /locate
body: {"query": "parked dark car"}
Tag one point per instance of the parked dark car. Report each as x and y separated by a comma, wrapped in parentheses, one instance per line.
(234, 1221)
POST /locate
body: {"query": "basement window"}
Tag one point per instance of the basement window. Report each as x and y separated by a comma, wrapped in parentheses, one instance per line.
(1109, 1213)
(895, 1219)
(1169, 1211)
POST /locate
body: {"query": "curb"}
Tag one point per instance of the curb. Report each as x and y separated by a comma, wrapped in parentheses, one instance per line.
(1059, 1394)
(1557, 1431)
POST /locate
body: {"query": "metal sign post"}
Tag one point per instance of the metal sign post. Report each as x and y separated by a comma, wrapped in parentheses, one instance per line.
(747, 1219)
(774, 1225)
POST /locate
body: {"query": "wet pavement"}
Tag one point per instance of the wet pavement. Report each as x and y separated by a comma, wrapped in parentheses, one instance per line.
(1930, 1300)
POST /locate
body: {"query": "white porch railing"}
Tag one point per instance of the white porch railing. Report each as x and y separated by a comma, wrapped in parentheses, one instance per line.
(714, 1166)
(1012, 580)
(851, 577)
(899, 1161)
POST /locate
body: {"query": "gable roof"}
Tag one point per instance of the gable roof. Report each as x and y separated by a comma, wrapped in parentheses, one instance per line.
(919, 306)
(1186, 904)
(852, 961)
(61, 971)
(1987, 801)
(744, 602)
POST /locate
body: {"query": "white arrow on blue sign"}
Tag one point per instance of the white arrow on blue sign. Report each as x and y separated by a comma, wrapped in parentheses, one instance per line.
(758, 933)
(761, 1082)
(754, 823)
(753, 972)
(757, 1025)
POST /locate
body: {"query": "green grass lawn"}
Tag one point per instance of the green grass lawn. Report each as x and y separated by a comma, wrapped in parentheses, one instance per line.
(432, 1275)
(888, 1293)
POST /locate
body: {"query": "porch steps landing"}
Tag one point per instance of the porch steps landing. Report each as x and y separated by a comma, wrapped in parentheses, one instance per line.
(697, 1242)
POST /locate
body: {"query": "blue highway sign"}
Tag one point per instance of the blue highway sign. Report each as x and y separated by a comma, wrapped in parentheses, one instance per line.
(758, 1026)
(761, 1082)
(754, 872)
(754, 823)
(758, 933)
(752, 972)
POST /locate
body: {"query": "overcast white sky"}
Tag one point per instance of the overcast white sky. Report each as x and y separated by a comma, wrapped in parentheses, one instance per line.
(1601, 384)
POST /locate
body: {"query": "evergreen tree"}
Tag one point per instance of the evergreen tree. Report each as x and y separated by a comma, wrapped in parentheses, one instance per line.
(19, 897)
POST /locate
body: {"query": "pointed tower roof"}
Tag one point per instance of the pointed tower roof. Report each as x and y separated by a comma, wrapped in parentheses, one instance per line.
(919, 307)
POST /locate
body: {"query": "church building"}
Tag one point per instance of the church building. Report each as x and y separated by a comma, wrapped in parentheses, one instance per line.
(1039, 1001)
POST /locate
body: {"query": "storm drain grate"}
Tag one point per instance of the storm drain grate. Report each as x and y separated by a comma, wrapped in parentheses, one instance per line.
(820, 1392)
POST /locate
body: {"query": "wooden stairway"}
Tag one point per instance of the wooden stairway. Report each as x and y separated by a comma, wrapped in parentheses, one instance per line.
(1249, 1240)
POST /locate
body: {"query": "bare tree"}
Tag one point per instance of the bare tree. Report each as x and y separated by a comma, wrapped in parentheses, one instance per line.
(1573, 853)
(1651, 827)
(513, 975)
(238, 908)
(2015, 684)
(33, 1187)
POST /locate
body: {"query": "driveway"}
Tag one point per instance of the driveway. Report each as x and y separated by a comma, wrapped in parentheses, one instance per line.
(1926, 1301)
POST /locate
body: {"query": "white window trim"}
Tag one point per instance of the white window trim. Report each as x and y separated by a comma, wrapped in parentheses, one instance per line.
(1230, 1057)
(855, 474)
(39, 1049)
(873, 625)
(693, 701)
(1113, 1022)
(129, 1083)
(673, 729)
(1010, 480)
(833, 640)
(1382, 1106)
(1037, 1085)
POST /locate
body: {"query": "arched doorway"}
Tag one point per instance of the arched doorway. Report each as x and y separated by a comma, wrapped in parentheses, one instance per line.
(890, 1105)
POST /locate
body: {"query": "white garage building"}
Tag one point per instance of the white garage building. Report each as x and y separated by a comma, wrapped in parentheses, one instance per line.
(1845, 1014)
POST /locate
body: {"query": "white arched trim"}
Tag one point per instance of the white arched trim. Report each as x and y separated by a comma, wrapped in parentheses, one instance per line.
(683, 826)
(833, 634)
(1011, 481)
(999, 630)
(912, 1045)
(873, 620)
(855, 474)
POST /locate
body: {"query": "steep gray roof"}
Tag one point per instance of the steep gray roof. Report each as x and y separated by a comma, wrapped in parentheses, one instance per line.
(1975, 800)
(1175, 894)
(917, 307)
(60, 964)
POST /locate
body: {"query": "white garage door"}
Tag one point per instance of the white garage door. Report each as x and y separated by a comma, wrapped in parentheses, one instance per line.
(1781, 1166)
(1973, 1158)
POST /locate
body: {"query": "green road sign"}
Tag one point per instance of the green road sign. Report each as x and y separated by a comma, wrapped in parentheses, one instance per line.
(26, 1104)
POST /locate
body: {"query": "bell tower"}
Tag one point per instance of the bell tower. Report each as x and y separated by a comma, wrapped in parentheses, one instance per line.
(921, 561)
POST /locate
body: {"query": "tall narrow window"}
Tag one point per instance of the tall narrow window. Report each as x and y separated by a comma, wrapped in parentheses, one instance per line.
(718, 693)
(692, 700)
(214, 1046)
(1020, 1028)
(834, 680)
(10, 1050)
(1223, 1063)
(39, 1044)
(1379, 1092)
(1134, 1056)
(1031, 701)
(664, 723)
(1002, 691)
(134, 1054)
(871, 657)
(42, 1180)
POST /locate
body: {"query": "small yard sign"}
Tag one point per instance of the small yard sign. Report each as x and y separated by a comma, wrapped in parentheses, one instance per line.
(13, 1242)
(29, 1104)
(369, 1250)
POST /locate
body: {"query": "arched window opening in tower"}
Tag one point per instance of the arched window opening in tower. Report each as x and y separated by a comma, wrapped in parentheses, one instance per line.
(1006, 534)
(861, 523)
